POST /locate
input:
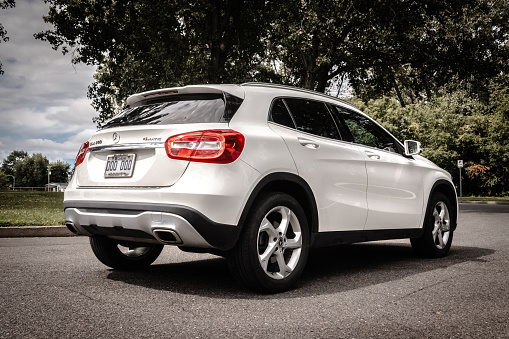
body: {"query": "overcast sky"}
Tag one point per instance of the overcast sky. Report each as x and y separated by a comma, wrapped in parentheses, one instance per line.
(43, 97)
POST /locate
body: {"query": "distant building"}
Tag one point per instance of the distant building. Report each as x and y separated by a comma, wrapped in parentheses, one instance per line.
(56, 186)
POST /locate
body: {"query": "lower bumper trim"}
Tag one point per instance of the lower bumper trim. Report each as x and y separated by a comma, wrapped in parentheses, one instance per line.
(137, 220)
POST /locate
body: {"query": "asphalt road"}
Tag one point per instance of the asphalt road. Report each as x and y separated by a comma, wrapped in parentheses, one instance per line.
(55, 288)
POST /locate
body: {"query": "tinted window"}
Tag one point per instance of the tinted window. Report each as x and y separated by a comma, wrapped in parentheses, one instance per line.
(366, 132)
(313, 117)
(184, 109)
(280, 115)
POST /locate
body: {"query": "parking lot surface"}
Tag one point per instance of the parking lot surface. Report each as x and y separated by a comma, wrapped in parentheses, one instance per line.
(55, 287)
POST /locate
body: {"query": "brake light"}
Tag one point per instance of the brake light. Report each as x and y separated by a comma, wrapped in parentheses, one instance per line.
(214, 146)
(81, 154)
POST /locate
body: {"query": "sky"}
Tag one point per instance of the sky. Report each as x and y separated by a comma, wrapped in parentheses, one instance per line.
(43, 97)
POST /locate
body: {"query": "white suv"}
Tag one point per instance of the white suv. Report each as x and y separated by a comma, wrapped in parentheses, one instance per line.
(256, 172)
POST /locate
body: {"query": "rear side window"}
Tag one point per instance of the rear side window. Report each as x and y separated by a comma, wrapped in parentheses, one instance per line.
(313, 117)
(182, 109)
(280, 115)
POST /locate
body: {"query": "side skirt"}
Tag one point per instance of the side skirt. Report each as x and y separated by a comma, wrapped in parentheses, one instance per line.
(325, 239)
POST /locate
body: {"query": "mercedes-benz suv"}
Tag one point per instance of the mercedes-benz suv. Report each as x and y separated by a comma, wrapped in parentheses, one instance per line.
(258, 173)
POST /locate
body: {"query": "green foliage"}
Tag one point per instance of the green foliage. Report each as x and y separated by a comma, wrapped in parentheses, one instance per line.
(13, 158)
(32, 170)
(60, 171)
(453, 127)
(419, 47)
(31, 208)
(144, 45)
(407, 50)
(434, 71)
(310, 43)
(4, 180)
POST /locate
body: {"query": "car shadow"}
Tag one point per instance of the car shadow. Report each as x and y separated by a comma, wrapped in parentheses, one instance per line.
(328, 270)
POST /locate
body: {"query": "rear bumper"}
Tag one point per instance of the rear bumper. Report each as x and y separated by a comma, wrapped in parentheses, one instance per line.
(149, 223)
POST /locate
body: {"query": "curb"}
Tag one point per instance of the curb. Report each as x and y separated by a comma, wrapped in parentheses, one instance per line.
(485, 202)
(35, 231)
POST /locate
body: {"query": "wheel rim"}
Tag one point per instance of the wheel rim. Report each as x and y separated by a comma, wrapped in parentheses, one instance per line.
(279, 242)
(133, 252)
(442, 225)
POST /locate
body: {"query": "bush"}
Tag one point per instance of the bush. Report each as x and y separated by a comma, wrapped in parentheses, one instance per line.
(456, 126)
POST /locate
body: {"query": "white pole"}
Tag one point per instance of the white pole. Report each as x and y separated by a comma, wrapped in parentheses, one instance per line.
(461, 190)
(13, 181)
(49, 172)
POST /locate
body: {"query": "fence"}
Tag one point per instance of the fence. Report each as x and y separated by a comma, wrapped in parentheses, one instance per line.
(52, 187)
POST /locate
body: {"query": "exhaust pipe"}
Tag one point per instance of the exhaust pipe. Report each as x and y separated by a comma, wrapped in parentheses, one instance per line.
(70, 226)
(167, 237)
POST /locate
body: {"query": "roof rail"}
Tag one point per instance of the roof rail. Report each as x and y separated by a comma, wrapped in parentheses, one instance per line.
(299, 89)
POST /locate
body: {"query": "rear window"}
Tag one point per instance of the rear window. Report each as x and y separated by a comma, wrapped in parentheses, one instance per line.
(182, 109)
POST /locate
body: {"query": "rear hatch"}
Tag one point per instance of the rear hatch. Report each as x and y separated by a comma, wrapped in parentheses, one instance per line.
(129, 150)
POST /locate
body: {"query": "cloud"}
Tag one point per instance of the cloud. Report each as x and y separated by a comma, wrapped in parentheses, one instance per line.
(54, 150)
(43, 103)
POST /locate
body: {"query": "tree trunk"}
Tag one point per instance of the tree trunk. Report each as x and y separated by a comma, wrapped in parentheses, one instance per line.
(220, 38)
(426, 86)
(398, 92)
(322, 78)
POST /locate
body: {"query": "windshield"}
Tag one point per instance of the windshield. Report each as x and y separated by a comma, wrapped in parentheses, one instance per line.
(182, 109)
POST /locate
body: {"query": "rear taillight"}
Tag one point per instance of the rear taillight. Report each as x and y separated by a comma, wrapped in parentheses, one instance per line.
(215, 146)
(81, 154)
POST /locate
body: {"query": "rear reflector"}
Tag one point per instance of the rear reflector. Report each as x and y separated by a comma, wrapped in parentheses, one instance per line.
(214, 146)
(81, 154)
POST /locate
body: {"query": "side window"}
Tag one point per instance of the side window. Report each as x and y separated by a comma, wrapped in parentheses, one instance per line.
(313, 117)
(366, 132)
(280, 115)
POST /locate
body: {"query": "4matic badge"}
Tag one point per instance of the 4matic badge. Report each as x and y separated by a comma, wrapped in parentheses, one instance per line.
(152, 139)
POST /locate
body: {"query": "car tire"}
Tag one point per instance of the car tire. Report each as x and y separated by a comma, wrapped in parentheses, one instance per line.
(124, 257)
(273, 247)
(436, 240)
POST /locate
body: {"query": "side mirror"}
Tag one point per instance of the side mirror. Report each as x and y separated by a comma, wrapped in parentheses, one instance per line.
(412, 147)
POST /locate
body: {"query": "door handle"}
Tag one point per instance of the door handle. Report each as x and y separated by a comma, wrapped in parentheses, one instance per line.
(308, 143)
(372, 155)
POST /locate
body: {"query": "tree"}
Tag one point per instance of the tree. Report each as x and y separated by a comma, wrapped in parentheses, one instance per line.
(310, 42)
(32, 171)
(12, 159)
(143, 45)
(4, 180)
(60, 171)
(4, 4)
(409, 50)
(456, 126)
(421, 47)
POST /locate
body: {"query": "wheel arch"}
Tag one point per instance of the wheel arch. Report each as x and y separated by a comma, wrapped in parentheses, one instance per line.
(446, 188)
(288, 183)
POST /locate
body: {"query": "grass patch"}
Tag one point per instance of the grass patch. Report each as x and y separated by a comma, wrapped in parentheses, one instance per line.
(483, 199)
(20, 208)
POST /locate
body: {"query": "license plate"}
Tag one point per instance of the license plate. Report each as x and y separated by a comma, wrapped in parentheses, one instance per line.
(120, 166)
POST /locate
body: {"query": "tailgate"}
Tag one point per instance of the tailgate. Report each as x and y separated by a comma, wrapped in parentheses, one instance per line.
(133, 157)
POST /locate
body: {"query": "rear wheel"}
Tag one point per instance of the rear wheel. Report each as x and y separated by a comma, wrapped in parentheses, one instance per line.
(437, 237)
(273, 247)
(124, 256)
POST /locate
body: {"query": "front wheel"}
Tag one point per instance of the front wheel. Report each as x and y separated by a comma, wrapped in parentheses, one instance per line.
(273, 247)
(437, 237)
(124, 257)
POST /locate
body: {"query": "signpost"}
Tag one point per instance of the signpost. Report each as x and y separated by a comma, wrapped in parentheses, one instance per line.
(49, 173)
(460, 166)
